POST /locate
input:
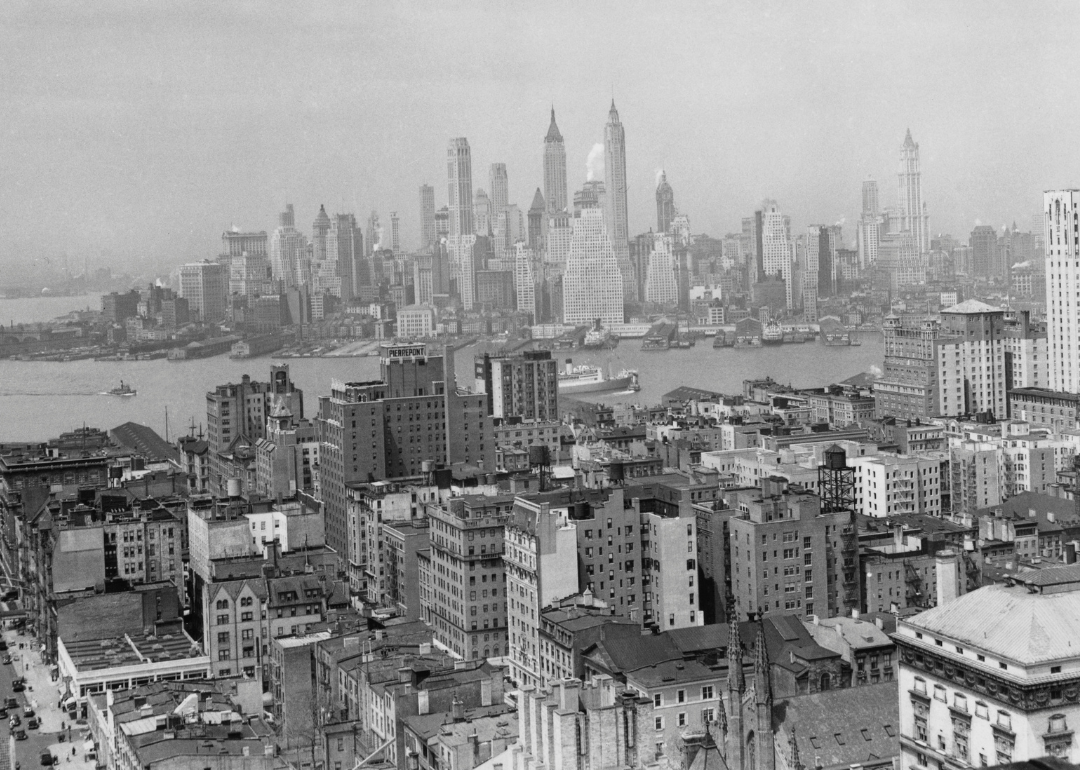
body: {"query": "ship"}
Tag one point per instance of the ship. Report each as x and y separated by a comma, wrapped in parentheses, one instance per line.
(599, 338)
(123, 390)
(838, 339)
(772, 334)
(593, 379)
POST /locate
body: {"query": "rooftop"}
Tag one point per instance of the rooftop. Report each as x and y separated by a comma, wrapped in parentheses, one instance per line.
(1027, 624)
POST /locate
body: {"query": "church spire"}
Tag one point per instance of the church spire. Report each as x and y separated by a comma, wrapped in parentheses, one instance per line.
(734, 650)
(553, 134)
(794, 763)
(761, 665)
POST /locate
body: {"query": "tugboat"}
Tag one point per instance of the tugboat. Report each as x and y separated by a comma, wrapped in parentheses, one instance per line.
(123, 390)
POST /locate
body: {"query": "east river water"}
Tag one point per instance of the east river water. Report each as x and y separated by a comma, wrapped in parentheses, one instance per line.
(40, 399)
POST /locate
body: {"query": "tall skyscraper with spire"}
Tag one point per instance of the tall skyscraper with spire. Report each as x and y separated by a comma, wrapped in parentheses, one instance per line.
(427, 217)
(665, 204)
(499, 186)
(615, 202)
(913, 216)
(288, 251)
(459, 170)
(554, 168)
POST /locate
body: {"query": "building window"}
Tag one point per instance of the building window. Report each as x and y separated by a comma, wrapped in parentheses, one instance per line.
(658, 700)
(707, 692)
(658, 723)
(682, 719)
(680, 696)
(939, 693)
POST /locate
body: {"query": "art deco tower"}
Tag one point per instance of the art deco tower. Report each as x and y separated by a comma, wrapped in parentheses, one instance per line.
(554, 168)
(459, 171)
(913, 215)
(1061, 209)
(615, 202)
(665, 204)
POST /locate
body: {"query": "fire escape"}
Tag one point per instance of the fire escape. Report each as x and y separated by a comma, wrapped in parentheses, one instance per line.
(914, 586)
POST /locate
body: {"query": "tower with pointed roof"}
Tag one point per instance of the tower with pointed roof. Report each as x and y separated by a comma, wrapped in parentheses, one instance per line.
(763, 740)
(736, 685)
(913, 216)
(615, 212)
(554, 168)
(665, 204)
(537, 226)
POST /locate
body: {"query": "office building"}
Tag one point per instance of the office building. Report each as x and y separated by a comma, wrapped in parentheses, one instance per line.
(235, 243)
(537, 223)
(205, 286)
(1062, 288)
(524, 385)
(427, 217)
(288, 252)
(987, 678)
(777, 248)
(395, 426)
(499, 187)
(985, 257)
(554, 169)
(665, 205)
(913, 216)
(459, 170)
(345, 251)
(661, 284)
(482, 218)
(395, 234)
(615, 212)
(591, 289)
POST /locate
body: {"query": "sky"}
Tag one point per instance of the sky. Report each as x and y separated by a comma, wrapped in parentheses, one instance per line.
(138, 131)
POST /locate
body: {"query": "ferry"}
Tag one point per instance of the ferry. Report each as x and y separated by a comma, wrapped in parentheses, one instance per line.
(593, 379)
(123, 390)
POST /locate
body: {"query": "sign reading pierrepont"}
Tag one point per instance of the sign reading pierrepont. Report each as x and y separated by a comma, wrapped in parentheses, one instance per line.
(404, 351)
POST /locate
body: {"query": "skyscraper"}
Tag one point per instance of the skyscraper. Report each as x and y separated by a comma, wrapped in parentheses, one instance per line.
(372, 233)
(319, 228)
(459, 170)
(777, 248)
(984, 252)
(427, 217)
(554, 168)
(591, 290)
(870, 205)
(205, 286)
(499, 186)
(665, 204)
(347, 241)
(660, 284)
(537, 222)
(395, 233)
(482, 212)
(288, 251)
(615, 200)
(1060, 209)
(913, 215)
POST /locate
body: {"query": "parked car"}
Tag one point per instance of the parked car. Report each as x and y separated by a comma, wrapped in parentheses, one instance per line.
(47, 759)
(20, 735)
(14, 721)
(11, 703)
(33, 724)
(27, 711)
(18, 685)
(3, 713)
(7, 658)
(3, 645)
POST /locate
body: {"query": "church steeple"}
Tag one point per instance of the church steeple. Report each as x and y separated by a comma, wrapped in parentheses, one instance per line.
(765, 752)
(794, 763)
(735, 737)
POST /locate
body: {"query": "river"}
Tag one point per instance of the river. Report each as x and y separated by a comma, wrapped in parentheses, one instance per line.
(41, 399)
(28, 310)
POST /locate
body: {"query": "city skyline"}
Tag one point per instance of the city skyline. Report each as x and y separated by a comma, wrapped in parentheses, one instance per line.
(124, 115)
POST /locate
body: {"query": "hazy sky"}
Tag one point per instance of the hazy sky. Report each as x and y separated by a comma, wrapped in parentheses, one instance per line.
(143, 129)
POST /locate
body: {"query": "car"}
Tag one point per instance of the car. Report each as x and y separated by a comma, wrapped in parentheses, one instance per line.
(11, 703)
(47, 759)
(7, 659)
(18, 685)
(27, 710)
(14, 721)
(3, 713)
(33, 724)
(3, 645)
(20, 735)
